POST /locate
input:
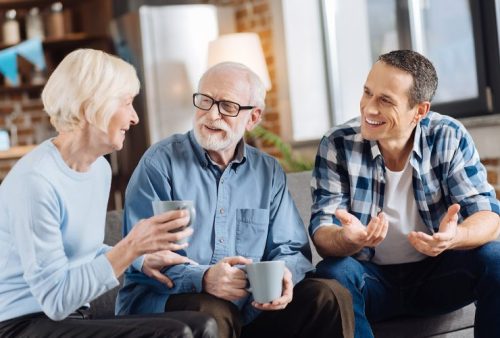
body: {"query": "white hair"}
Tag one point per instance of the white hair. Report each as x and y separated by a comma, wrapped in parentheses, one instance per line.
(258, 91)
(88, 85)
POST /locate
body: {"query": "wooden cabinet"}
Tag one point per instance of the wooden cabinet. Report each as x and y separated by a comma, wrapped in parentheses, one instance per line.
(84, 24)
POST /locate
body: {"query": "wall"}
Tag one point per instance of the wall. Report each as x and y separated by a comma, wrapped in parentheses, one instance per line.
(261, 16)
(485, 133)
(255, 16)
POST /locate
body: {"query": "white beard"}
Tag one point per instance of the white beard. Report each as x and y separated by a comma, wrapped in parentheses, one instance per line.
(218, 142)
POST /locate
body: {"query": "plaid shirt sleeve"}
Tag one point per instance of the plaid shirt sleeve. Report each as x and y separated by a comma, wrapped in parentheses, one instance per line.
(329, 184)
(466, 178)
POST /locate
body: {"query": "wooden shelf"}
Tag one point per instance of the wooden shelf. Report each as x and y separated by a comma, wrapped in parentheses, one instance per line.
(72, 39)
(9, 4)
(14, 153)
(68, 40)
(25, 88)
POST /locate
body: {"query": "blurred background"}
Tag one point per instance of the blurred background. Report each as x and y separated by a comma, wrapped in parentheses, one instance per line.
(312, 55)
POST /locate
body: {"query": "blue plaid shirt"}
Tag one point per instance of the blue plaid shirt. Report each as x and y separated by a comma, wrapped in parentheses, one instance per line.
(350, 174)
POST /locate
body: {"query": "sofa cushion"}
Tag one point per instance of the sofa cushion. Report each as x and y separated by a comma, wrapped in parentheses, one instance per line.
(104, 306)
(299, 185)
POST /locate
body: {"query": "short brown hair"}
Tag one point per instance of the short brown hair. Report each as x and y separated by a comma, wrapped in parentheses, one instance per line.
(425, 80)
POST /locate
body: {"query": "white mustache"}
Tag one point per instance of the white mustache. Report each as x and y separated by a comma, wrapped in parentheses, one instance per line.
(217, 124)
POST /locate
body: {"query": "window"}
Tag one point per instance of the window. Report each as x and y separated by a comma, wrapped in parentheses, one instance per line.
(459, 36)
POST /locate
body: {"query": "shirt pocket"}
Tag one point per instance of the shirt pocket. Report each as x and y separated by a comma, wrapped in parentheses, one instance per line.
(251, 232)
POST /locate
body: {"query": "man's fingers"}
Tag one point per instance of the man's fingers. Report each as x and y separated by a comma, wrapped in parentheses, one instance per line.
(442, 236)
(344, 217)
(385, 225)
(236, 293)
(424, 237)
(268, 306)
(453, 211)
(373, 228)
(377, 230)
(450, 219)
(235, 260)
(428, 246)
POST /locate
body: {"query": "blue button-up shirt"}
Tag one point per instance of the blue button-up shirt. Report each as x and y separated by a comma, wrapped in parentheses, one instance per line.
(244, 210)
(350, 174)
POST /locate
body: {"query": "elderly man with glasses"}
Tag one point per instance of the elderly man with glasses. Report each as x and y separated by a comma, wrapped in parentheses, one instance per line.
(244, 213)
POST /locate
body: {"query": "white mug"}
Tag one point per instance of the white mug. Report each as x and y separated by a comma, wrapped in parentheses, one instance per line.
(266, 280)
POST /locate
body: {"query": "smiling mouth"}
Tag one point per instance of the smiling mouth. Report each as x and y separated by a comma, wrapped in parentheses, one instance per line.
(213, 129)
(374, 123)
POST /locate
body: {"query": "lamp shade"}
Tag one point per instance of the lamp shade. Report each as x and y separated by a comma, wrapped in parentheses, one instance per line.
(244, 48)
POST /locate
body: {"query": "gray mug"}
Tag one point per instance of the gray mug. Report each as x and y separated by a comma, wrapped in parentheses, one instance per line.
(266, 280)
(160, 207)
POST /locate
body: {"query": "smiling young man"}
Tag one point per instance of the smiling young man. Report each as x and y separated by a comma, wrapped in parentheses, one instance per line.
(402, 211)
(244, 213)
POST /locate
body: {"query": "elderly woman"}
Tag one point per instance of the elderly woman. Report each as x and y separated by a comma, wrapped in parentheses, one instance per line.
(52, 215)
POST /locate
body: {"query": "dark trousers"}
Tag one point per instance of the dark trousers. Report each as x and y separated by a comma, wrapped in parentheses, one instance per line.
(172, 324)
(320, 308)
(433, 286)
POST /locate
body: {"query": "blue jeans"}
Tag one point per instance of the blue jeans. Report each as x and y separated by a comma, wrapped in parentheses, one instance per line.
(435, 285)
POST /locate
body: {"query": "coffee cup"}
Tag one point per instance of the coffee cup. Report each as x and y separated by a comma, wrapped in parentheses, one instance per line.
(266, 280)
(160, 207)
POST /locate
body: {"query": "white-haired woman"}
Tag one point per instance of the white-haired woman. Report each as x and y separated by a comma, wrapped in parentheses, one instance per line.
(52, 215)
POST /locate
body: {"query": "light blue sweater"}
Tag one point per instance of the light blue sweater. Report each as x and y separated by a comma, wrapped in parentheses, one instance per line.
(51, 235)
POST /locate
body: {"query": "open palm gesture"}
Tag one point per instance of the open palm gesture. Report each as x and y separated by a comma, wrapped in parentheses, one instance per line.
(355, 232)
(433, 245)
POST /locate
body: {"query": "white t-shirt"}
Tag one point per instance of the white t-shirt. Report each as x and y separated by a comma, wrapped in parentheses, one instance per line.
(401, 211)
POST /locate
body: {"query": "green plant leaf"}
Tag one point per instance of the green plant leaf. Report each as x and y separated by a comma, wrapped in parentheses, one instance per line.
(289, 162)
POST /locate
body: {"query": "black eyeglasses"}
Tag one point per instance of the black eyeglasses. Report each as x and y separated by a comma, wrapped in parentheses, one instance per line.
(226, 108)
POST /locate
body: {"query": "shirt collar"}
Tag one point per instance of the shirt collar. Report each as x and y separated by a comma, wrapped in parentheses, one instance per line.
(418, 138)
(205, 160)
(374, 149)
(198, 150)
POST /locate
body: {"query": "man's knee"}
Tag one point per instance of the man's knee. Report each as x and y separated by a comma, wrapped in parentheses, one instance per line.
(328, 301)
(225, 313)
(202, 302)
(490, 252)
(488, 257)
(347, 270)
(324, 293)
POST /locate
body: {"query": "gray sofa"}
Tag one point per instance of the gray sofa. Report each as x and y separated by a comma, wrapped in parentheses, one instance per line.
(458, 324)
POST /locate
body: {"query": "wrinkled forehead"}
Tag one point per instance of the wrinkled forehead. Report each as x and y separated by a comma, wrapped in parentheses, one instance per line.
(229, 84)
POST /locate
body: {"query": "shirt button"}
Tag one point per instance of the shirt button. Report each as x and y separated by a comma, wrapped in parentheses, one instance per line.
(221, 240)
(221, 180)
(221, 210)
